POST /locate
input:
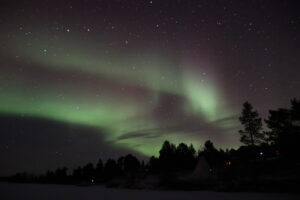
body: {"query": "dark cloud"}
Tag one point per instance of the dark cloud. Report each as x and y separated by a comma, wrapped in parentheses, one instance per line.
(35, 144)
(192, 127)
(139, 134)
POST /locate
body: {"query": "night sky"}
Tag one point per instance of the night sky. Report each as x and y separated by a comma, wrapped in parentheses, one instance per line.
(81, 80)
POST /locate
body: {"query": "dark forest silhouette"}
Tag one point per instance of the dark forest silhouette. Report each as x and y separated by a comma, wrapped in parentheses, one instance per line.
(268, 161)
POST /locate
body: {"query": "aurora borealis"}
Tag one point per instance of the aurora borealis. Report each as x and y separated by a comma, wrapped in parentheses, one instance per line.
(142, 72)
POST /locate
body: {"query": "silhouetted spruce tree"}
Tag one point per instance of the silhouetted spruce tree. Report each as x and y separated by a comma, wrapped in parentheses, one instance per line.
(49, 177)
(285, 129)
(99, 171)
(61, 175)
(131, 164)
(279, 123)
(111, 169)
(131, 168)
(153, 165)
(120, 164)
(143, 167)
(252, 133)
(211, 154)
(77, 175)
(181, 154)
(167, 157)
(184, 157)
(192, 160)
(88, 172)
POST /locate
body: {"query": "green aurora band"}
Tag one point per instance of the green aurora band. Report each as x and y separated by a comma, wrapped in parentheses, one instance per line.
(114, 111)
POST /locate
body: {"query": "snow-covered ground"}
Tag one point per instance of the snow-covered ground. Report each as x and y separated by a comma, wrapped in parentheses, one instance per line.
(65, 192)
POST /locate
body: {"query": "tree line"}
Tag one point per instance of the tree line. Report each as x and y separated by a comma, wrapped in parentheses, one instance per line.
(283, 131)
(266, 152)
